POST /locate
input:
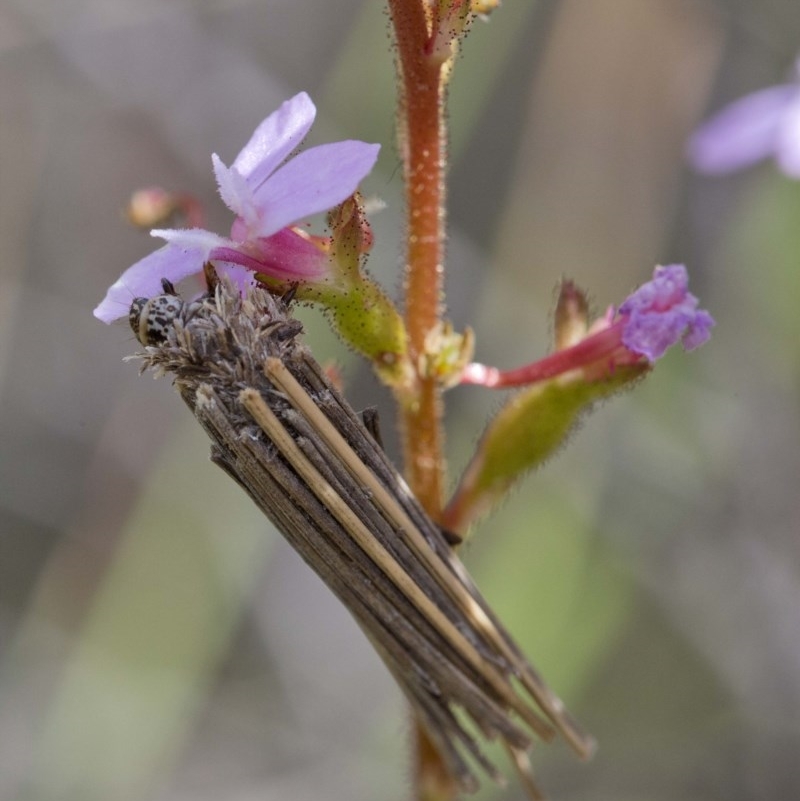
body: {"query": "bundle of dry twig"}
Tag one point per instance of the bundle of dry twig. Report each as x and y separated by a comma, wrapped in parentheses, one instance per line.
(283, 432)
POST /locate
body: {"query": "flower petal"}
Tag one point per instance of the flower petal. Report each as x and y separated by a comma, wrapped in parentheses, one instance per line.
(275, 138)
(315, 180)
(788, 144)
(668, 286)
(652, 334)
(290, 256)
(699, 331)
(663, 312)
(234, 190)
(743, 132)
(190, 239)
(184, 254)
(286, 256)
(241, 277)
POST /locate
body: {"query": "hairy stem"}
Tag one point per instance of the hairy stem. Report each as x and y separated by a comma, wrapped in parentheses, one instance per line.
(422, 128)
(421, 122)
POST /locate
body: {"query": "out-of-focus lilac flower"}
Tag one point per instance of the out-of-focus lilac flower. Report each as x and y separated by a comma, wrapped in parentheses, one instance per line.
(760, 125)
(267, 196)
(656, 316)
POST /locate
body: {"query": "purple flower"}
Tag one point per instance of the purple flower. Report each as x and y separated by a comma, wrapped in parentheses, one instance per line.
(663, 312)
(656, 316)
(757, 126)
(268, 194)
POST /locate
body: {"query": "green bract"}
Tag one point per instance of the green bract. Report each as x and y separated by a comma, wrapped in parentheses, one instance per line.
(527, 431)
(367, 320)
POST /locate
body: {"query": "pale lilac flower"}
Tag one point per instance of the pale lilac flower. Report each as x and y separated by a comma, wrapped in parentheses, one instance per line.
(760, 125)
(656, 316)
(268, 195)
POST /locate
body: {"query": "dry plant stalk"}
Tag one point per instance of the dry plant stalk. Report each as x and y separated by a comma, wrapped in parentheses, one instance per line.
(283, 432)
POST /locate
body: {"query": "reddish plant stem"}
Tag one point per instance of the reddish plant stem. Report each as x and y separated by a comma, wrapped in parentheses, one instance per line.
(422, 126)
(605, 349)
(422, 123)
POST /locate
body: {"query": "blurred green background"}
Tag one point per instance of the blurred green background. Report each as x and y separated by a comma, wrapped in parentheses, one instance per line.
(159, 641)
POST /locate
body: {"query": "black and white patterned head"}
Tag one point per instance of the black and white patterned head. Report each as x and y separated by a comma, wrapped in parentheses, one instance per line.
(152, 318)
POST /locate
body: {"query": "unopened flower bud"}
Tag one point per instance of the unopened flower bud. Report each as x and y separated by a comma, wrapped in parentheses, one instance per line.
(571, 316)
